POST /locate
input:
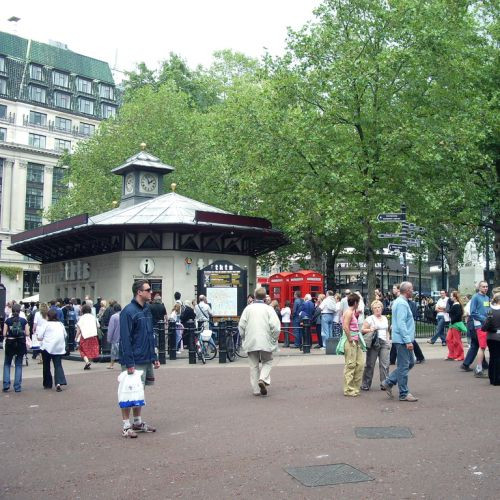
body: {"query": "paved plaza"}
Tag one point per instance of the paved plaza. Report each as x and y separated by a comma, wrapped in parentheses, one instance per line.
(216, 440)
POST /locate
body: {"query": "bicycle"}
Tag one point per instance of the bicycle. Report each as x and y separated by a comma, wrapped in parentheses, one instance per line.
(208, 346)
(234, 345)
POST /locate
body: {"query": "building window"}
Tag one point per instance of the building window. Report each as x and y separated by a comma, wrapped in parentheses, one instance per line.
(3, 86)
(59, 186)
(60, 79)
(63, 124)
(107, 111)
(38, 119)
(62, 100)
(37, 94)
(106, 91)
(31, 221)
(84, 85)
(34, 197)
(85, 106)
(62, 145)
(3, 134)
(1, 184)
(35, 173)
(2, 64)
(3, 112)
(36, 72)
(37, 141)
(87, 129)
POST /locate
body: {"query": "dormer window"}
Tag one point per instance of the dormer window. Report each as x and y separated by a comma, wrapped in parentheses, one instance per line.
(84, 85)
(36, 72)
(2, 64)
(60, 79)
(37, 94)
(85, 106)
(106, 91)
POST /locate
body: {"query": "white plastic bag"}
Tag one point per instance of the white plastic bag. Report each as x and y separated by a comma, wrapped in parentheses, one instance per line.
(130, 389)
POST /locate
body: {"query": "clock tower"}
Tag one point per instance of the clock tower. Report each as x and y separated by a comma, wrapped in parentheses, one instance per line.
(142, 178)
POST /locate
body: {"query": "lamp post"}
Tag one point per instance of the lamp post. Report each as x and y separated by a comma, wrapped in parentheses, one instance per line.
(485, 216)
(338, 282)
(443, 278)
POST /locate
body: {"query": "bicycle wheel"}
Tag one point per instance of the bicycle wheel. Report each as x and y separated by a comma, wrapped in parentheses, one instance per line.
(231, 354)
(201, 356)
(240, 351)
(209, 350)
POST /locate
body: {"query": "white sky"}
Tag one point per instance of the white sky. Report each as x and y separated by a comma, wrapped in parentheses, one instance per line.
(148, 30)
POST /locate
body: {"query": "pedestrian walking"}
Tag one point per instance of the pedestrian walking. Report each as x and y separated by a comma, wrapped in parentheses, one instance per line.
(352, 345)
(137, 350)
(479, 307)
(38, 321)
(86, 335)
(15, 331)
(316, 320)
(457, 327)
(52, 336)
(375, 331)
(113, 335)
(443, 319)
(403, 334)
(492, 328)
(259, 329)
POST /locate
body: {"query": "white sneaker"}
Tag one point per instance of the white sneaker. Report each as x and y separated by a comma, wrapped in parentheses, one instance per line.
(323, 348)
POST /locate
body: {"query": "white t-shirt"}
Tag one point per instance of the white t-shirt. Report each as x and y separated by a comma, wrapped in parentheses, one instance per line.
(52, 335)
(38, 322)
(442, 303)
(285, 314)
(380, 324)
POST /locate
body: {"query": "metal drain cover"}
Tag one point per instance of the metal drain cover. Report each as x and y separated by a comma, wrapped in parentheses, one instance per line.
(324, 475)
(383, 432)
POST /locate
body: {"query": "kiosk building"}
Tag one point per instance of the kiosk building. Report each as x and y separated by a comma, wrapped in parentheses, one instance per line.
(165, 238)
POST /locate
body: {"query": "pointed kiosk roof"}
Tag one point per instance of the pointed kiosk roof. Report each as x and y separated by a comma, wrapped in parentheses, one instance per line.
(83, 236)
(146, 161)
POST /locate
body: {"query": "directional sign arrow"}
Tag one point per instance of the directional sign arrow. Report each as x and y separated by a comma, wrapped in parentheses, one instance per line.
(389, 235)
(393, 247)
(391, 217)
(413, 242)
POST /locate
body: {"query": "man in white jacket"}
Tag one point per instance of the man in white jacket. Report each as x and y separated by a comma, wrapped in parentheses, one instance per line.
(259, 328)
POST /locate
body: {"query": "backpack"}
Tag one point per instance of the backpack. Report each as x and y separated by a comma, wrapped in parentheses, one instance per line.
(16, 330)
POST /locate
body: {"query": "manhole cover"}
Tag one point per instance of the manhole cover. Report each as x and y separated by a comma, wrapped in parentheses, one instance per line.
(324, 475)
(383, 432)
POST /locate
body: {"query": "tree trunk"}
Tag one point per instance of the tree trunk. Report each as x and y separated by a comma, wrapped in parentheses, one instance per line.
(370, 261)
(453, 272)
(330, 281)
(496, 249)
(316, 255)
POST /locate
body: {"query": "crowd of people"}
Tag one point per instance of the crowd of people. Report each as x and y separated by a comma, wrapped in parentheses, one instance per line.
(364, 335)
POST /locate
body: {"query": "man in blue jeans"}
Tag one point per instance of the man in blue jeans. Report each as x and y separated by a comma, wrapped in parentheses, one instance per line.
(403, 334)
(297, 329)
(443, 319)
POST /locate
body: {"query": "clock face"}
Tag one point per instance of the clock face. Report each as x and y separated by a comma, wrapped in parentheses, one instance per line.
(148, 183)
(129, 184)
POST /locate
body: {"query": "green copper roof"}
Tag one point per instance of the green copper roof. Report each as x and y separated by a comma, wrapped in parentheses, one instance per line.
(48, 55)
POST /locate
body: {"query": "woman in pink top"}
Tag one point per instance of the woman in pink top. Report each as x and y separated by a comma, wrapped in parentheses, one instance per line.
(353, 347)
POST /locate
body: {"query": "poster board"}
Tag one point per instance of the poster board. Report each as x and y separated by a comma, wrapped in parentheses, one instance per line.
(224, 301)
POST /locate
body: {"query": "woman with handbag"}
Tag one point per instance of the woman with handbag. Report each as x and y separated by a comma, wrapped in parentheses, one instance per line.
(52, 335)
(15, 332)
(86, 335)
(376, 334)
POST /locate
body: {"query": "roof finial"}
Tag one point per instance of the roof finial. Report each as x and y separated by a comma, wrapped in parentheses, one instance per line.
(173, 186)
(143, 145)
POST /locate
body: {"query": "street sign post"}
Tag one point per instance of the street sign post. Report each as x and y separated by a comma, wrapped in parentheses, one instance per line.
(389, 235)
(393, 247)
(413, 242)
(399, 217)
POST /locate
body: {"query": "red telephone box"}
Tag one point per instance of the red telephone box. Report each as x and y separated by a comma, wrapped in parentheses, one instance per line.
(279, 287)
(263, 281)
(307, 282)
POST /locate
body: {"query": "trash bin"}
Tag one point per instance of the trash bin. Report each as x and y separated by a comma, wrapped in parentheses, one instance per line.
(331, 345)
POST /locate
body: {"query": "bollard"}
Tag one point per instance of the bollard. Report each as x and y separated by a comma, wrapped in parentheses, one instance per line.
(162, 355)
(172, 339)
(306, 336)
(71, 334)
(190, 336)
(222, 342)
